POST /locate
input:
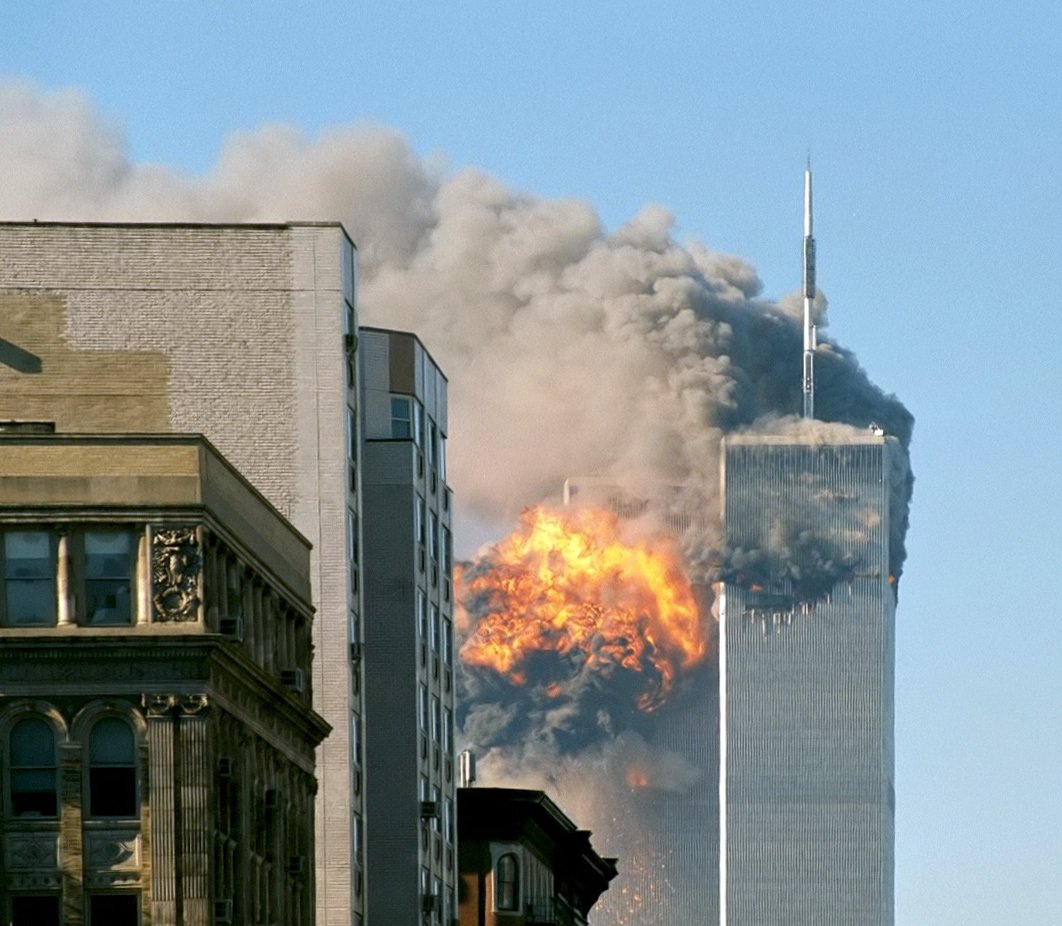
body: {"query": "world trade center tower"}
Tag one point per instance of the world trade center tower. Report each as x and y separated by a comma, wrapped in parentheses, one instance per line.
(806, 679)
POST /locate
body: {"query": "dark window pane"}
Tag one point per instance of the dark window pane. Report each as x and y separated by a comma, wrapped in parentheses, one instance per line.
(401, 418)
(32, 776)
(29, 574)
(34, 910)
(114, 909)
(507, 883)
(109, 560)
(112, 792)
(112, 743)
(112, 770)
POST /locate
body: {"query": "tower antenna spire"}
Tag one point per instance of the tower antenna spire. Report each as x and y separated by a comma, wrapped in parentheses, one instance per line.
(809, 299)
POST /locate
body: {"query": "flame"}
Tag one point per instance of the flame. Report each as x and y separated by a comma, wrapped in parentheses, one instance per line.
(636, 778)
(567, 583)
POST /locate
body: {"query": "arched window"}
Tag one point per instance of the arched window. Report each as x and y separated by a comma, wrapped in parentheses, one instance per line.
(112, 770)
(33, 768)
(507, 883)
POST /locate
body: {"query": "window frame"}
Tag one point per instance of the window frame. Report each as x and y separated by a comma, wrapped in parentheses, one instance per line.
(53, 577)
(79, 557)
(88, 806)
(510, 903)
(12, 769)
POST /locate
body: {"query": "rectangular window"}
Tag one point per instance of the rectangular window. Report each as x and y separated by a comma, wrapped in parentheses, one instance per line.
(435, 719)
(423, 707)
(35, 910)
(422, 614)
(401, 417)
(433, 536)
(355, 739)
(434, 628)
(110, 560)
(418, 423)
(448, 641)
(421, 519)
(29, 578)
(352, 436)
(432, 438)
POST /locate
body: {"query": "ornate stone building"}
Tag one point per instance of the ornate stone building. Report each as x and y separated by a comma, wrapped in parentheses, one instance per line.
(156, 730)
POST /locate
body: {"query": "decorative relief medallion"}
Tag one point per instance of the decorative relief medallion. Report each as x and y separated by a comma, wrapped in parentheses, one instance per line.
(176, 562)
(112, 850)
(32, 852)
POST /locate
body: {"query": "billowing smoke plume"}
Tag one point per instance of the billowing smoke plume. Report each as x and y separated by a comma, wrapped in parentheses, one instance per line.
(571, 351)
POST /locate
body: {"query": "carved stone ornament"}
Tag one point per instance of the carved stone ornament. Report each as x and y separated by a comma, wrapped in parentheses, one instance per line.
(194, 704)
(157, 705)
(112, 850)
(35, 881)
(176, 562)
(32, 852)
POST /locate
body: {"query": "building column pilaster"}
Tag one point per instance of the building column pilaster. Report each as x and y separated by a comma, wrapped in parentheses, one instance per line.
(163, 861)
(65, 615)
(195, 780)
(71, 839)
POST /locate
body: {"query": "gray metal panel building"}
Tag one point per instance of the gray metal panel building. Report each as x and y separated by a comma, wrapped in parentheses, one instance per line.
(806, 683)
(408, 631)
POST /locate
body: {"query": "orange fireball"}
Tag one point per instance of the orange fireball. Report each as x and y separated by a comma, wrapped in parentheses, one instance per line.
(568, 583)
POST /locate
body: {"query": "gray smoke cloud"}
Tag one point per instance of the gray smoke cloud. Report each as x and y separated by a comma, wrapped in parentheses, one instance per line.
(570, 349)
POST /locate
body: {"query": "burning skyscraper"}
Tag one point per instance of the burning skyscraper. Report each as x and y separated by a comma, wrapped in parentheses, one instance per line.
(806, 636)
(744, 777)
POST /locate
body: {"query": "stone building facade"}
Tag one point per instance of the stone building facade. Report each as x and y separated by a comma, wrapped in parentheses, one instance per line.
(246, 334)
(156, 731)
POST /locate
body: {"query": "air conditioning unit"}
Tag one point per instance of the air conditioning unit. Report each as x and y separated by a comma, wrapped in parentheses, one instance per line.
(297, 865)
(226, 767)
(222, 911)
(429, 810)
(428, 902)
(295, 679)
(231, 627)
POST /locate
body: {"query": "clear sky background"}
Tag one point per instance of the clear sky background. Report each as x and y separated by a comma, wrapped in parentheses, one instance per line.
(936, 136)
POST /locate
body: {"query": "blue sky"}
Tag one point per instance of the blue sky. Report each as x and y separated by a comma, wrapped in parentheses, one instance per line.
(936, 138)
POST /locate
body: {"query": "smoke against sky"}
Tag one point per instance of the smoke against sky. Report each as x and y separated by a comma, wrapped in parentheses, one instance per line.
(570, 349)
